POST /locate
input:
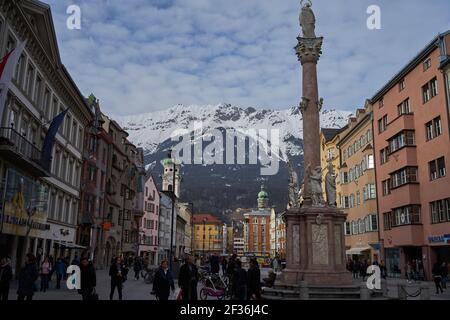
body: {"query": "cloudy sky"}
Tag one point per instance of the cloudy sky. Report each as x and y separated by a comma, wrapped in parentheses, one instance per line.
(142, 55)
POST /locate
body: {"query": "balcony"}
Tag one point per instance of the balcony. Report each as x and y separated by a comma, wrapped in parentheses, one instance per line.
(18, 150)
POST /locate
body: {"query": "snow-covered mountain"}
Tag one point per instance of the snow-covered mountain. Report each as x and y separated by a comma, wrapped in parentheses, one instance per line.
(220, 187)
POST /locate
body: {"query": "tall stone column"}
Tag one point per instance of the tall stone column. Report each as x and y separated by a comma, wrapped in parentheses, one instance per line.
(315, 231)
(308, 51)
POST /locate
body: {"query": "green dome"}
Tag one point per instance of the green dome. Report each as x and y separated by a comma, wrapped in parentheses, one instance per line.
(263, 194)
(168, 161)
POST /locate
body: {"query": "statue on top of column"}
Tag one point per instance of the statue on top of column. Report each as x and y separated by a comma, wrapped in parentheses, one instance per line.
(293, 185)
(307, 20)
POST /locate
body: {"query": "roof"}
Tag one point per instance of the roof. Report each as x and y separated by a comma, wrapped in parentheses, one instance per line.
(209, 218)
(430, 47)
(330, 133)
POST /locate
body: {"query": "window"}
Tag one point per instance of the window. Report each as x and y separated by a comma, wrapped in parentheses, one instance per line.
(430, 90)
(358, 198)
(63, 168)
(67, 126)
(345, 201)
(384, 155)
(433, 128)
(37, 91)
(369, 192)
(18, 73)
(355, 227)
(361, 226)
(382, 124)
(403, 108)
(369, 161)
(369, 135)
(386, 187)
(406, 215)
(403, 176)
(440, 211)
(344, 177)
(29, 80)
(403, 139)
(381, 103)
(437, 168)
(347, 229)
(373, 222)
(46, 103)
(74, 132)
(401, 85)
(427, 64)
(387, 221)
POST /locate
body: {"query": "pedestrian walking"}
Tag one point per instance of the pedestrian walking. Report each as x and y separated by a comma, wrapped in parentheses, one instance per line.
(356, 267)
(5, 278)
(437, 275)
(188, 279)
(408, 272)
(118, 273)
(163, 282)
(60, 269)
(27, 277)
(254, 280)
(239, 282)
(46, 267)
(137, 267)
(88, 279)
(215, 266)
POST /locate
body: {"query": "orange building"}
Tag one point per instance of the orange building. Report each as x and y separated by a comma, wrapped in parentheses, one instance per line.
(412, 151)
(257, 227)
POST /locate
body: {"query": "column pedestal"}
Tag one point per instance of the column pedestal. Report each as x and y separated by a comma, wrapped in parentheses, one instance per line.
(315, 249)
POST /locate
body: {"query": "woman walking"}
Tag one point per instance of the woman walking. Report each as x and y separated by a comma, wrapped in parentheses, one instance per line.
(46, 268)
(163, 282)
(118, 273)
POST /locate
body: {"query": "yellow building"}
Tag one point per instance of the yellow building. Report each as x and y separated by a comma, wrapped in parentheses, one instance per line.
(357, 193)
(208, 234)
(329, 138)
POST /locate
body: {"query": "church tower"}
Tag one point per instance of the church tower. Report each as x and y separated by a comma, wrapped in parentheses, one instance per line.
(169, 165)
(263, 198)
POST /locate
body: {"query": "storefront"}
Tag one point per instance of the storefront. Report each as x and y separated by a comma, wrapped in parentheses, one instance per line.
(393, 266)
(440, 248)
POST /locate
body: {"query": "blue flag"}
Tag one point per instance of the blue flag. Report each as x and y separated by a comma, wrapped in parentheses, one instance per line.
(46, 153)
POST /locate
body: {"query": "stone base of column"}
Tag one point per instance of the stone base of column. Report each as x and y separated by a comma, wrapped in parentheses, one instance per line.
(315, 247)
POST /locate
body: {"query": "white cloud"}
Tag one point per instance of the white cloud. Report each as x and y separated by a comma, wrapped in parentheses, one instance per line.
(142, 55)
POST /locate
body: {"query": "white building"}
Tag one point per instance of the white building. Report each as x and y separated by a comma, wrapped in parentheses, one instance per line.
(41, 89)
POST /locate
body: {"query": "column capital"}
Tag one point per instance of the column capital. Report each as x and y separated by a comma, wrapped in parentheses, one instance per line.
(309, 49)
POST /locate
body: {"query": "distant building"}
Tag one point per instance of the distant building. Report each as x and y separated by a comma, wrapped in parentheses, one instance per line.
(257, 227)
(149, 228)
(208, 234)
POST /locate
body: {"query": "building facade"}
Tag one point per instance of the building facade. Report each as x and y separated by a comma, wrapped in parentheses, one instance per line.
(165, 223)
(257, 227)
(358, 196)
(208, 234)
(40, 205)
(185, 213)
(149, 228)
(411, 115)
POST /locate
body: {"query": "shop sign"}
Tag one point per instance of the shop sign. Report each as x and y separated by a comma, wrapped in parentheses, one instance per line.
(439, 239)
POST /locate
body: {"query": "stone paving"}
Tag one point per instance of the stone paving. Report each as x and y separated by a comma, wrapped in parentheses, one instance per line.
(139, 290)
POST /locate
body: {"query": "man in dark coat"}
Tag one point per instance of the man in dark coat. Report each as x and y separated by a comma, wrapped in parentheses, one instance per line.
(5, 278)
(163, 282)
(254, 280)
(188, 279)
(239, 282)
(88, 278)
(27, 277)
(215, 266)
(118, 273)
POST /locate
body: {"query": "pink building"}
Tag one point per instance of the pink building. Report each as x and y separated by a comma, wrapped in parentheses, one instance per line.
(148, 231)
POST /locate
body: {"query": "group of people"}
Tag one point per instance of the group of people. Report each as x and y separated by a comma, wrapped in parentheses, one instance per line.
(358, 268)
(32, 270)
